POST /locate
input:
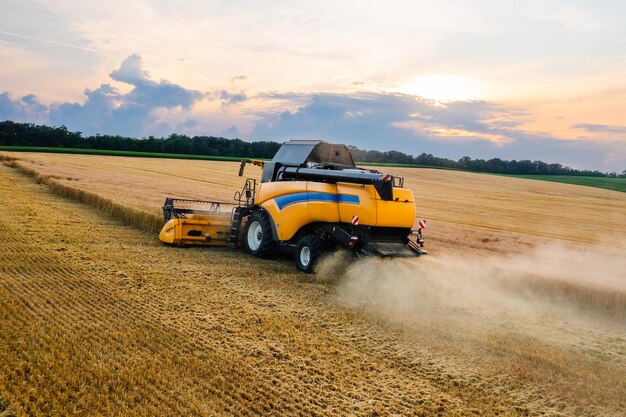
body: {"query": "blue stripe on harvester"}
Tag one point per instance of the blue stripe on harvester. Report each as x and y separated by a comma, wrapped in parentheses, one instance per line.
(349, 199)
(289, 199)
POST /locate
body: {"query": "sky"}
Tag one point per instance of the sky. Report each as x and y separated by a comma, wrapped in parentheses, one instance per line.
(539, 80)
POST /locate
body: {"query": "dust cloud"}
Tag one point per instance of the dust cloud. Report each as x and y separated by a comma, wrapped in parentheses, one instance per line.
(554, 317)
(333, 266)
(485, 292)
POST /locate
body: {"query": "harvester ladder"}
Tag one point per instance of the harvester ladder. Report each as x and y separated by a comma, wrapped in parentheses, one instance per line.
(235, 227)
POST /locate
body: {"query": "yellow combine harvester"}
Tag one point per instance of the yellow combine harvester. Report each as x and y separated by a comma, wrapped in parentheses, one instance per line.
(311, 199)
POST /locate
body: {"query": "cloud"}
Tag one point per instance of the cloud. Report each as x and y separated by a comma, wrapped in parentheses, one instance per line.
(232, 98)
(150, 108)
(392, 121)
(131, 71)
(238, 78)
(598, 128)
(187, 124)
(140, 112)
(150, 93)
(136, 113)
(94, 116)
(26, 108)
(386, 120)
(231, 132)
(370, 120)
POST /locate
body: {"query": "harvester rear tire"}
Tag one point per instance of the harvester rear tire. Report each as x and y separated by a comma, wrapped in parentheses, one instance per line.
(308, 250)
(258, 239)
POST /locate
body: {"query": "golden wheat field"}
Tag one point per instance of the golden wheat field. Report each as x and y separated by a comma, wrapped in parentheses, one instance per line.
(518, 310)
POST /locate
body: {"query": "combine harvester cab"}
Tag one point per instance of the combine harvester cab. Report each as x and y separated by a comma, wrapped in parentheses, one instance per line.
(311, 199)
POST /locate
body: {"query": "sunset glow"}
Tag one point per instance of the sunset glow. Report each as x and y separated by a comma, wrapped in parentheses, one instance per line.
(441, 87)
(520, 80)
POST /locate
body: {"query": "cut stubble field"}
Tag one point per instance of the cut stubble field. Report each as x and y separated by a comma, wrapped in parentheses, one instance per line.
(518, 310)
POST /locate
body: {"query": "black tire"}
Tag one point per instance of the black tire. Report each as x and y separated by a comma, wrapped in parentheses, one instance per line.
(308, 251)
(257, 238)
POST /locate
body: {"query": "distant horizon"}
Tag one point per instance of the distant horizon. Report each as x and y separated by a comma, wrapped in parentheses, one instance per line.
(399, 154)
(529, 81)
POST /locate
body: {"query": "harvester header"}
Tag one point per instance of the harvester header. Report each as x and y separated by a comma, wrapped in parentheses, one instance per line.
(311, 198)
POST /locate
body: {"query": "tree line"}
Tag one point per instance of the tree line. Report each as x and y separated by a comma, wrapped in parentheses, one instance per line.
(27, 134)
(494, 165)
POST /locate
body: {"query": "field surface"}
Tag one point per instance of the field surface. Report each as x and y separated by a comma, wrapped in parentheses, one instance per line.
(617, 184)
(518, 310)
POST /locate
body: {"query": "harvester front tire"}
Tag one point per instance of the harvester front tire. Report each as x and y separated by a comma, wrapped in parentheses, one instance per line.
(258, 239)
(308, 250)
